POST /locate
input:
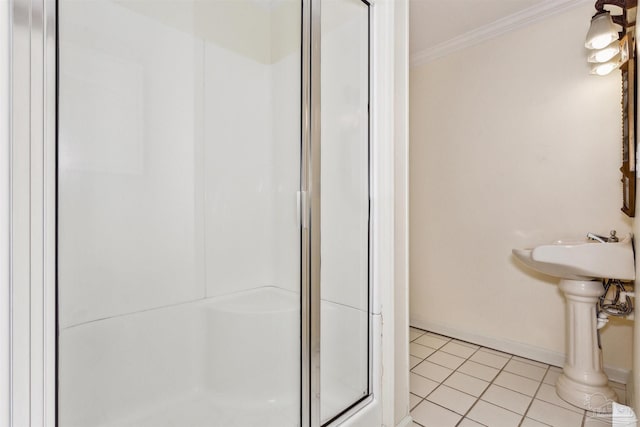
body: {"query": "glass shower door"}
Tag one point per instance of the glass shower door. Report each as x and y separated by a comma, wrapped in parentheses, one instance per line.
(178, 241)
(183, 215)
(345, 309)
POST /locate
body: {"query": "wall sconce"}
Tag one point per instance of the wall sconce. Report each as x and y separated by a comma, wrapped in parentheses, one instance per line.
(605, 54)
(605, 68)
(605, 40)
(611, 44)
(602, 31)
(605, 60)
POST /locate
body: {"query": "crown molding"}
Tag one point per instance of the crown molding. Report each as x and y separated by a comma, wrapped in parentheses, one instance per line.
(509, 23)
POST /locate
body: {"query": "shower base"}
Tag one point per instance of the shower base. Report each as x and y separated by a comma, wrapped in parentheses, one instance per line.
(230, 361)
(219, 362)
(204, 409)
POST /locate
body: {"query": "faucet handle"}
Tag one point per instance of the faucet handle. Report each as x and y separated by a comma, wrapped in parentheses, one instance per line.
(611, 239)
(597, 238)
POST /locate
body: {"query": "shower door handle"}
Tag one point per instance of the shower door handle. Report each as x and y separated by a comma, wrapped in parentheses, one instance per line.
(303, 209)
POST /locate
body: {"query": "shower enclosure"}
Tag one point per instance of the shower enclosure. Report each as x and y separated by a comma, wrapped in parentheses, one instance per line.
(213, 212)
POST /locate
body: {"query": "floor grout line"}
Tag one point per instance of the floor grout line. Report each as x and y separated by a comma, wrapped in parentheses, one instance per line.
(502, 355)
(477, 398)
(489, 386)
(534, 396)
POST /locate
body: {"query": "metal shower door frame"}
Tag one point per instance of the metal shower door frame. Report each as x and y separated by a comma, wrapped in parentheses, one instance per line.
(310, 208)
(28, 184)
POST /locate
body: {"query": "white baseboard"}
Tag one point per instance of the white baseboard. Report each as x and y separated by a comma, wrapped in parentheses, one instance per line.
(406, 422)
(619, 375)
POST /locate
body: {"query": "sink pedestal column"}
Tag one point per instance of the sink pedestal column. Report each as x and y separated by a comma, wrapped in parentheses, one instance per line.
(583, 382)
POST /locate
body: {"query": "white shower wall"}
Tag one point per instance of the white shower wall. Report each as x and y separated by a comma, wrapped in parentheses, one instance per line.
(128, 187)
(245, 195)
(180, 184)
(194, 154)
(252, 170)
(179, 167)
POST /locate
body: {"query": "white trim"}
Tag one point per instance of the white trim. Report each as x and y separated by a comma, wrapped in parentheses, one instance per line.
(544, 355)
(512, 347)
(401, 215)
(382, 201)
(5, 230)
(619, 375)
(382, 152)
(19, 193)
(405, 422)
(509, 23)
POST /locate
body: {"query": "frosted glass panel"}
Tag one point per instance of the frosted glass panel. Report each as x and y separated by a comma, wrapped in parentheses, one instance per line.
(179, 245)
(345, 205)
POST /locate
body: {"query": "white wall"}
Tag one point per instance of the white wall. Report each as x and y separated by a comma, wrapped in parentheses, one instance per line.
(513, 144)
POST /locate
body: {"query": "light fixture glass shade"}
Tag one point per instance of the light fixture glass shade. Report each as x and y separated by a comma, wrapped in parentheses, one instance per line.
(604, 68)
(605, 54)
(601, 32)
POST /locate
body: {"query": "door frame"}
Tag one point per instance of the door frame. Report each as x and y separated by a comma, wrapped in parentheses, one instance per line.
(27, 284)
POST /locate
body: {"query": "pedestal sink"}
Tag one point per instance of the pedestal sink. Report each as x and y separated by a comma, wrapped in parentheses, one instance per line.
(581, 265)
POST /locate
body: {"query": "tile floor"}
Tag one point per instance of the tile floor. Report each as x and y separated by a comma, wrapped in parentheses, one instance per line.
(455, 383)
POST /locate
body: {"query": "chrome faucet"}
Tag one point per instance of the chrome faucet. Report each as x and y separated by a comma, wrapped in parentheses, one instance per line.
(611, 239)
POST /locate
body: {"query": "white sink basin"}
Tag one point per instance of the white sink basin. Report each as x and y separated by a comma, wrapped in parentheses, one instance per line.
(580, 260)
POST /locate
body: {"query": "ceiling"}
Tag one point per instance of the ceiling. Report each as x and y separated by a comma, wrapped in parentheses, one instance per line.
(434, 22)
